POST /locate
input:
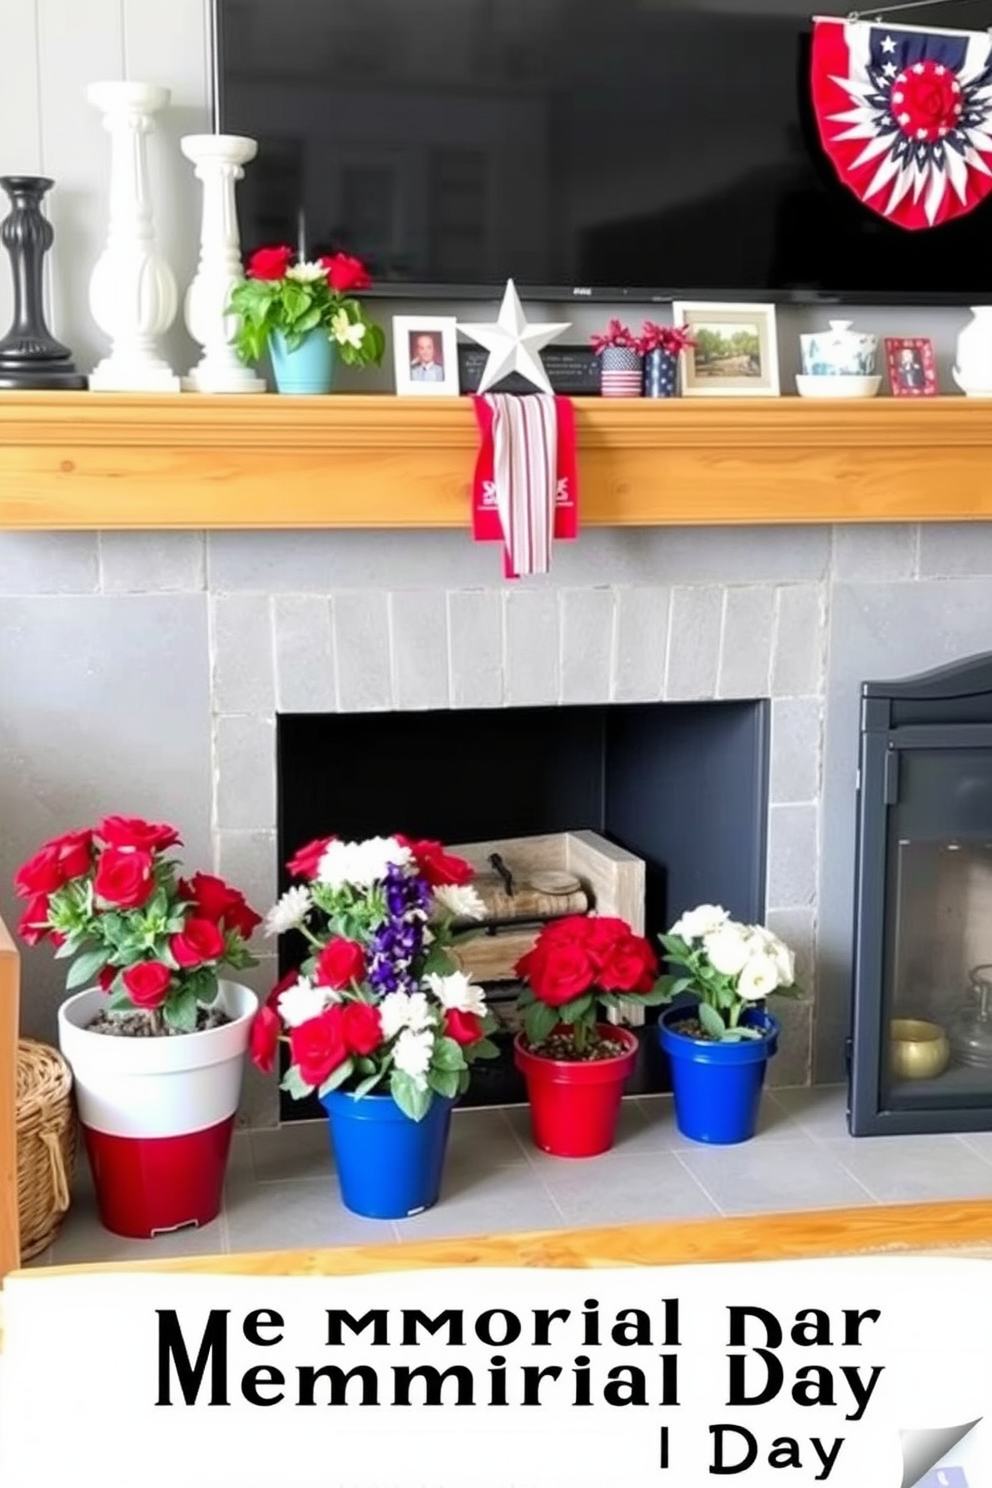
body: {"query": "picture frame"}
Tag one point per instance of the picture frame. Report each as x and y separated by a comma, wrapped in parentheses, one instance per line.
(425, 356)
(911, 366)
(736, 355)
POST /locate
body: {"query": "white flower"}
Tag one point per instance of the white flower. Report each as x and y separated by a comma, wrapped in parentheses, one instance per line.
(399, 1010)
(458, 993)
(344, 331)
(728, 949)
(759, 978)
(301, 1003)
(412, 1054)
(768, 944)
(360, 864)
(460, 901)
(306, 273)
(291, 911)
(697, 923)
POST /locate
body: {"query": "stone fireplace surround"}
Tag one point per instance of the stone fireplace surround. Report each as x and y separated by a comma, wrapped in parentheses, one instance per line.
(143, 672)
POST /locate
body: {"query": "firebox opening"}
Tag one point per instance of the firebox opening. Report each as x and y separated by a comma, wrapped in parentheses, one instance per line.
(683, 786)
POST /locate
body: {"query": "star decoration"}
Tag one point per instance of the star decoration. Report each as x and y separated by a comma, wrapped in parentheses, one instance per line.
(513, 345)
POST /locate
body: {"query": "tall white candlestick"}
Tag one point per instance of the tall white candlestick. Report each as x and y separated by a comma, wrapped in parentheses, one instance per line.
(218, 159)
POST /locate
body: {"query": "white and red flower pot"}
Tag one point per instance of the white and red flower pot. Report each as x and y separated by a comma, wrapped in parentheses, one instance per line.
(157, 1114)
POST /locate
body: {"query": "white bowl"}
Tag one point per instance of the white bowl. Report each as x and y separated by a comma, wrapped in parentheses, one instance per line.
(838, 387)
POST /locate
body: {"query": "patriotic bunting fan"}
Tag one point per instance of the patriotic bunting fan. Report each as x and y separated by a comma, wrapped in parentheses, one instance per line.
(905, 116)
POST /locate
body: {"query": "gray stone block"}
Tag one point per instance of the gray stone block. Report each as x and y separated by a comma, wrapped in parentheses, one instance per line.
(955, 550)
(362, 652)
(246, 784)
(242, 645)
(641, 651)
(792, 857)
(48, 563)
(746, 651)
(533, 647)
(247, 860)
(475, 641)
(152, 562)
(642, 557)
(795, 750)
(694, 643)
(419, 630)
(587, 628)
(797, 927)
(797, 665)
(791, 1065)
(878, 552)
(321, 562)
(306, 680)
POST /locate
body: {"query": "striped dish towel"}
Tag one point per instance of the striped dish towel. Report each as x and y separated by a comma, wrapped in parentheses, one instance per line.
(525, 478)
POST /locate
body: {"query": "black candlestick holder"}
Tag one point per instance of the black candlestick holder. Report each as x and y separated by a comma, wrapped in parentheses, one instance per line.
(30, 357)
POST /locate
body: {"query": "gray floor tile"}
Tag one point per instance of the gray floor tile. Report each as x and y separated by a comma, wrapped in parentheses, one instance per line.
(83, 1240)
(662, 1134)
(980, 1142)
(299, 1215)
(484, 1139)
(912, 1170)
(774, 1177)
(821, 1111)
(504, 1200)
(294, 1152)
(624, 1189)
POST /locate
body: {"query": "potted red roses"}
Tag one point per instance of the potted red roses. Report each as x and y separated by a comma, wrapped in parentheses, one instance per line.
(574, 1064)
(156, 1039)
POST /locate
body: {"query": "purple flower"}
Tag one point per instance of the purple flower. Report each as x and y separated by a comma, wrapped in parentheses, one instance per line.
(399, 941)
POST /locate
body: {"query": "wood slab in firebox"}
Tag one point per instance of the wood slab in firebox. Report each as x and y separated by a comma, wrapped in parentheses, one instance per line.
(553, 875)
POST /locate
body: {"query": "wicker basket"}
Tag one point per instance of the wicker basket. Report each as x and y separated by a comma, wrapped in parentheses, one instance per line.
(46, 1144)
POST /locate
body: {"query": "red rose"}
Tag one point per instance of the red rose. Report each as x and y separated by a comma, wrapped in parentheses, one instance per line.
(217, 901)
(631, 966)
(317, 1047)
(304, 864)
(197, 942)
(147, 984)
(269, 263)
(437, 866)
(340, 963)
(242, 919)
(572, 930)
(464, 1028)
(106, 978)
(557, 973)
(75, 850)
(361, 1028)
(33, 925)
(41, 874)
(282, 985)
(124, 878)
(131, 834)
(345, 274)
(264, 1039)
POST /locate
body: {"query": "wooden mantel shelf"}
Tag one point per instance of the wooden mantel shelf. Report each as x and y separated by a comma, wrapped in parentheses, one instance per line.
(86, 460)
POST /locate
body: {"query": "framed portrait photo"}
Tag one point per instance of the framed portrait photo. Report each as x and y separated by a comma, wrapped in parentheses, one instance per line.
(735, 353)
(911, 366)
(425, 351)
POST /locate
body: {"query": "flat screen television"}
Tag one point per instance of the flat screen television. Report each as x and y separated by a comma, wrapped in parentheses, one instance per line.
(591, 149)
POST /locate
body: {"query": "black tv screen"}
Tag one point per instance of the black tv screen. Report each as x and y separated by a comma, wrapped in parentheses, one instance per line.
(609, 149)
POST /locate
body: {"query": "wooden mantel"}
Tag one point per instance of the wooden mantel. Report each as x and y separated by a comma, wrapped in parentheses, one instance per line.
(99, 460)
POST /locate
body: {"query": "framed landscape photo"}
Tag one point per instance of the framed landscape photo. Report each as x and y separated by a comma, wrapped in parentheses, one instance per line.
(735, 353)
(425, 351)
(911, 366)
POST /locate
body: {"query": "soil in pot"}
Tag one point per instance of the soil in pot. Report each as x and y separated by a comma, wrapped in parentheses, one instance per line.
(561, 1047)
(137, 1024)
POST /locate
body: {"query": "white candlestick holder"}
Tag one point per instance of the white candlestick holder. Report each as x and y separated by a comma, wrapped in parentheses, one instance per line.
(218, 160)
(133, 295)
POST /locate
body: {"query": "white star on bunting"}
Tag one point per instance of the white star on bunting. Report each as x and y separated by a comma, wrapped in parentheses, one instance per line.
(512, 344)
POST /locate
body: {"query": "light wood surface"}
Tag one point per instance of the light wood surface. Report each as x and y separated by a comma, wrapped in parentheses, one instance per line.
(104, 460)
(9, 1025)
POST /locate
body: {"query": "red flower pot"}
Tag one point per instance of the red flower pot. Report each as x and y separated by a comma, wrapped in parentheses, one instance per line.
(574, 1106)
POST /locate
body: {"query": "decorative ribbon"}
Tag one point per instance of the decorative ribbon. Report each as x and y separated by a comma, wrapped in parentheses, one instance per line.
(525, 492)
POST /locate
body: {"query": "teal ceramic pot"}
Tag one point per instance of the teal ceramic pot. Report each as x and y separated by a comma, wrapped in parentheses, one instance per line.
(306, 370)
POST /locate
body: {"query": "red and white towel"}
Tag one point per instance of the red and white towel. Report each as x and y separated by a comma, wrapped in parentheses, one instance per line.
(525, 493)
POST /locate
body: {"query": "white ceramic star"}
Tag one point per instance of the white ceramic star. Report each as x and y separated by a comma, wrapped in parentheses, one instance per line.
(512, 344)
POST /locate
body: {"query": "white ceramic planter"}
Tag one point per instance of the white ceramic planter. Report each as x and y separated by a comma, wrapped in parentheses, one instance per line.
(157, 1113)
(973, 363)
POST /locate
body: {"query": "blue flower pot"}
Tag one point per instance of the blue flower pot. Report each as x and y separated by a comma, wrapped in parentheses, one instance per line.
(661, 374)
(306, 370)
(717, 1087)
(389, 1167)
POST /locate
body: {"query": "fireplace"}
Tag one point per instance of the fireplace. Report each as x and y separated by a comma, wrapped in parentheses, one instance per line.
(683, 786)
(920, 1050)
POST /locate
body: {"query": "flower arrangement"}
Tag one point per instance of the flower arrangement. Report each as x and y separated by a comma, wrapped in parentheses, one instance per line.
(294, 298)
(616, 335)
(668, 339)
(730, 966)
(578, 966)
(110, 899)
(379, 1003)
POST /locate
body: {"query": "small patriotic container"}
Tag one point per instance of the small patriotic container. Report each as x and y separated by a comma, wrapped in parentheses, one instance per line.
(621, 372)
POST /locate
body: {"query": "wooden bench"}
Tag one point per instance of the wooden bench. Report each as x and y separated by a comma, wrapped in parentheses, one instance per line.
(10, 991)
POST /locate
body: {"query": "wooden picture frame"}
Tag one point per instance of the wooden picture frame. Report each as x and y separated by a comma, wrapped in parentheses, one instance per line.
(736, 355)
(911, 367)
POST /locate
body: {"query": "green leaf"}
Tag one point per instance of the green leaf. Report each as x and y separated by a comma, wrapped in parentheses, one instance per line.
(444, 1082)
(335, 1080)
(70, 946)
(540, 1022)
(485, 1049)
(412, 1101)
(659, 994)
(437, 962)
(180, 1010)
(86, 967)
(525, 997)
(464, 1081)
(576, 1010)
(369, 1083)
(711, 1021)
(118, 1000)
(447, 1055)
(294, 1085)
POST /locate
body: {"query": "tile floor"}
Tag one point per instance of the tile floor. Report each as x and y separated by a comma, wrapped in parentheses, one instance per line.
(281, 1192)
